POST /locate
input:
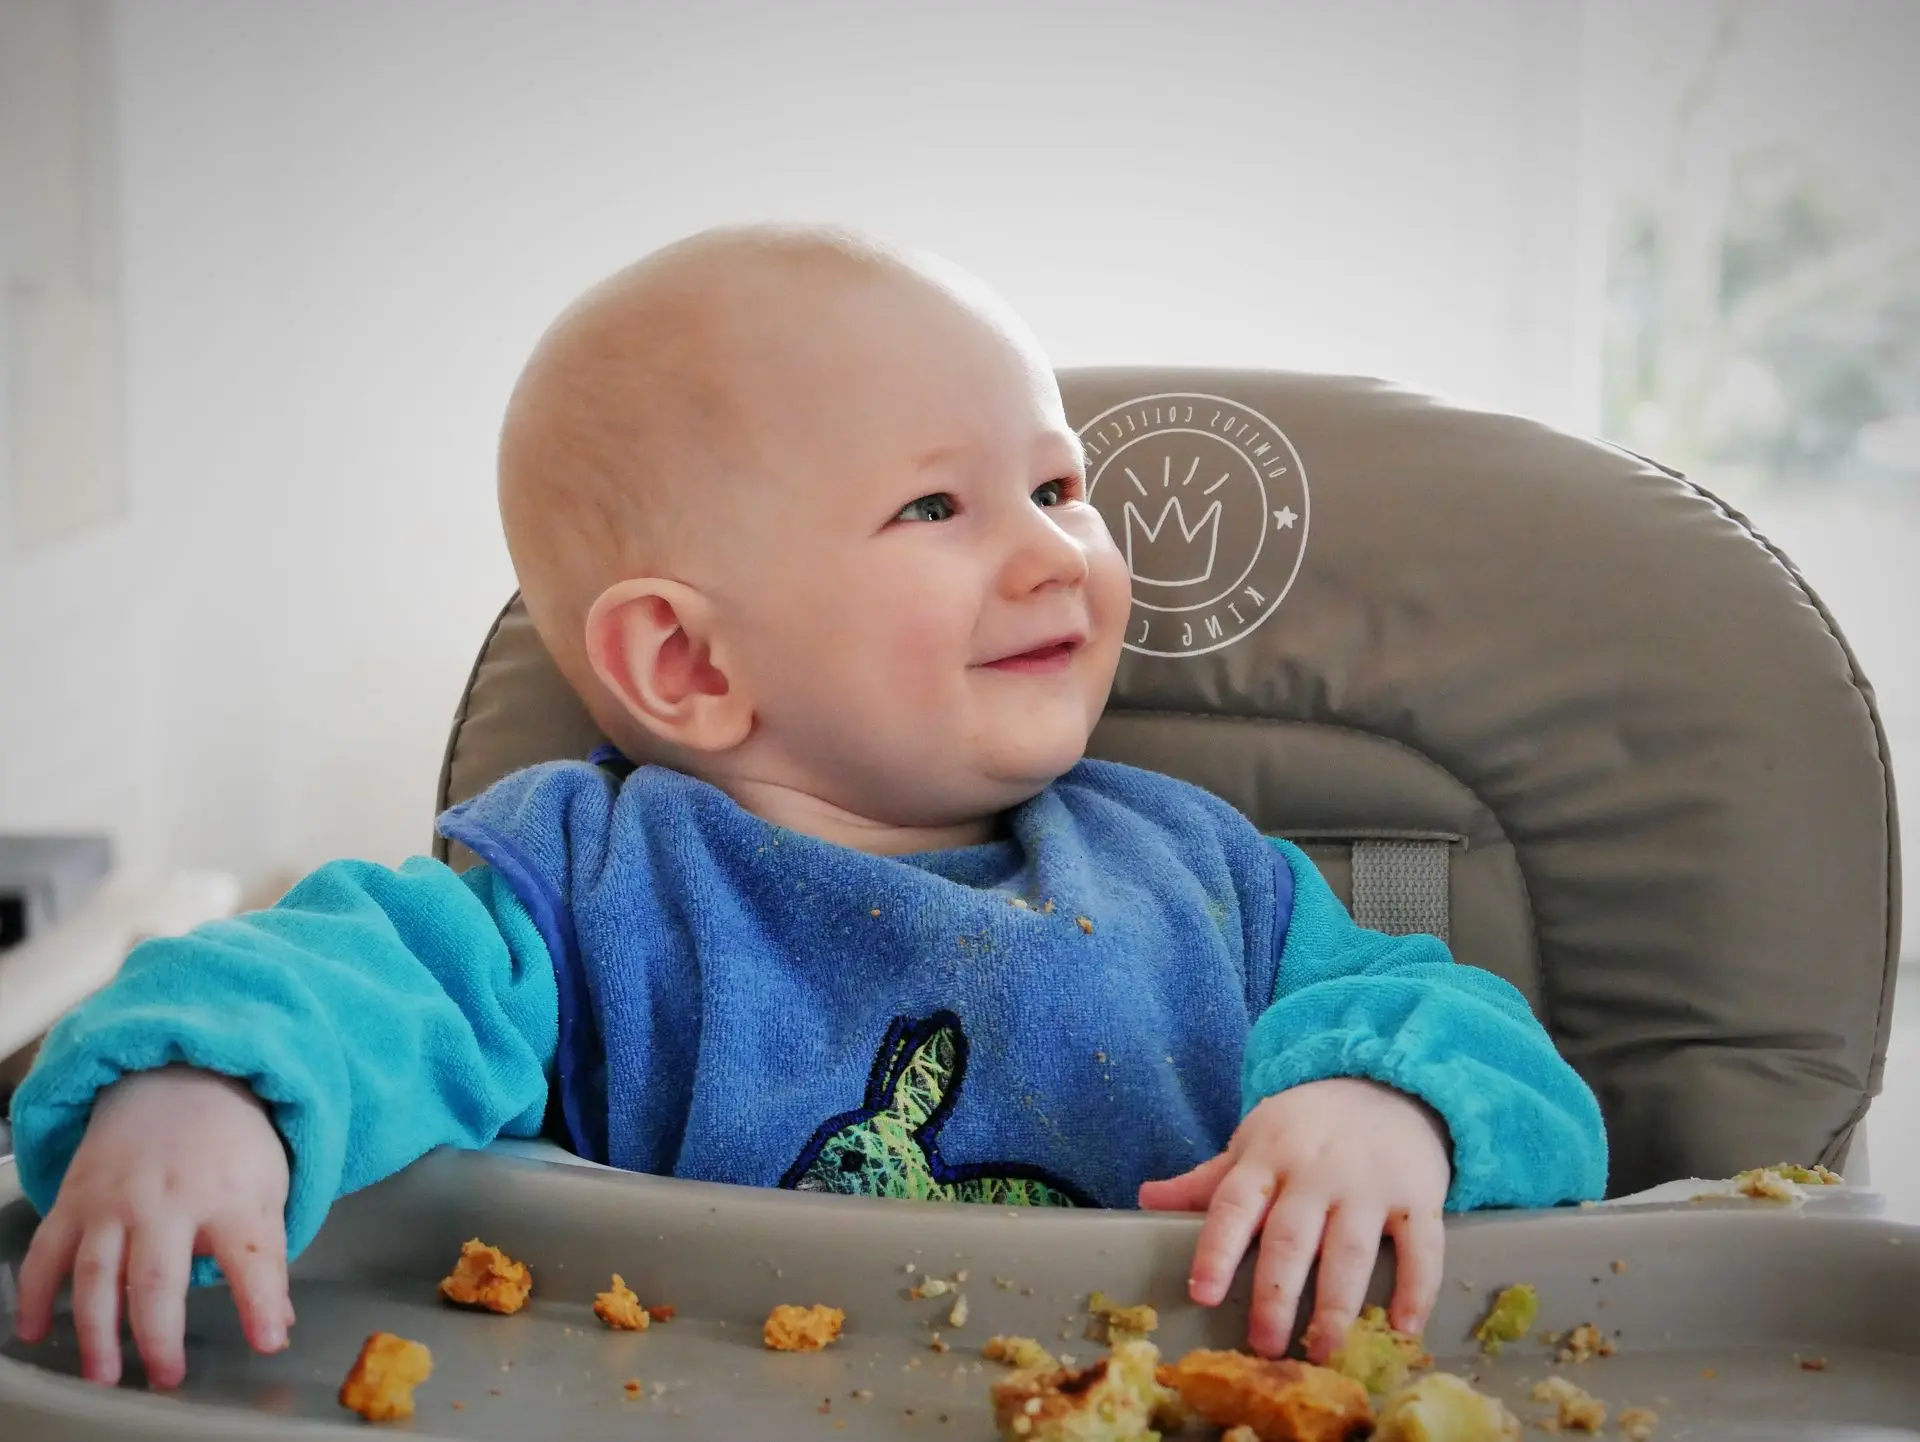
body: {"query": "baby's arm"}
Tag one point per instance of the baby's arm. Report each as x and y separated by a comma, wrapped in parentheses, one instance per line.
(1398, 1010)
(1382, 1080)
(370, 1017)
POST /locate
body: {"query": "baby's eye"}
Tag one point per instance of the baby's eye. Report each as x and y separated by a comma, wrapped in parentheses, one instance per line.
(1053, 493)
(937, 507)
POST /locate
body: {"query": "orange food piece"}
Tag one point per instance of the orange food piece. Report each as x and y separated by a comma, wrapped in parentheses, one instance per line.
(380, 1384)
(487, 1277)
(621, 1309)
(801, 1329)
(662, 1314)
(1283, 1401)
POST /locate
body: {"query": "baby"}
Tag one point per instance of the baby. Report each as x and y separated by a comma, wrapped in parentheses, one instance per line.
(801, 519)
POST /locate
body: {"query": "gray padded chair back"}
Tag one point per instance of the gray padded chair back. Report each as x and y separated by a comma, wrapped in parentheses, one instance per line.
(1516, 687)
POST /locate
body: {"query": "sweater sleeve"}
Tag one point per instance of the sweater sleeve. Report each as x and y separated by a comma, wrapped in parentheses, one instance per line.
(378, 1013)
(1526, 1130)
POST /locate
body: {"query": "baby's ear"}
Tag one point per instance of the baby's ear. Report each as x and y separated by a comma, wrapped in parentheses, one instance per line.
(649, 642)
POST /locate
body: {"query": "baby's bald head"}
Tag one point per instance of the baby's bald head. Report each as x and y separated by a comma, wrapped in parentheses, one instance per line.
(662, 396)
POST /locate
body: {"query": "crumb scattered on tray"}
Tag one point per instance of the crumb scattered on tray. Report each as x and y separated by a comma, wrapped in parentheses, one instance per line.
(621, 1309)
(1444, 1408)
(801, 1329)
(487, 1277)
(939, 1344)
(1023, 1353)
(663, 1314)
(380, 1384)
(1114, 1399)
(1510, 1318)
(1375, 1355)
(1619, 1268)
(1112, 1323)
(1285, 1401)
(1813, 1364)
(1584, 1343)
(1764, 1184)
(1813, 1176)
(1084, 924)
(958, 1316)
(929, 1287)
(1575, 1410)
(632, 1387)
(862, 1394)
(1636, 1424)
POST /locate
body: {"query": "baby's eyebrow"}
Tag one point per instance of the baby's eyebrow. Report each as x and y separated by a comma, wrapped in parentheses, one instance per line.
(1067, 441)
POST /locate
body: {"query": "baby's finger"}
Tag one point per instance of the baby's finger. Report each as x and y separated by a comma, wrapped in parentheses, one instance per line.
(1347, 1259)
(158, 1256)
(1291, 1237)
(96, 1301)
(49, 1259)
(1191, 1191)
(253, 1254)
(1239, 1205)
(1419, 1258)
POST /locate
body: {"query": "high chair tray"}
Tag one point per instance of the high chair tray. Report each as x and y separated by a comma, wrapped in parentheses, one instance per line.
(1714, 1309)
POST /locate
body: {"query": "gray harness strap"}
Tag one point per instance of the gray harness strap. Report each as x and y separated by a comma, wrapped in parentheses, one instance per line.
(1400, 887)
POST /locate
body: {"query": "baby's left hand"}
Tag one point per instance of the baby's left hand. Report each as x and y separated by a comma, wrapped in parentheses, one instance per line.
(1326, 1167)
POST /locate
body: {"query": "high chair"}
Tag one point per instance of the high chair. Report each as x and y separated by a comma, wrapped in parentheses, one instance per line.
(1528, 692)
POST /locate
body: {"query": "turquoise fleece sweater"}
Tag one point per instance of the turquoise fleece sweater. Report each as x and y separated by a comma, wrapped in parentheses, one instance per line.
(676, 986)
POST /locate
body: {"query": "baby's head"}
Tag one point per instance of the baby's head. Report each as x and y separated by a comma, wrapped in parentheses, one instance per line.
(802, 515)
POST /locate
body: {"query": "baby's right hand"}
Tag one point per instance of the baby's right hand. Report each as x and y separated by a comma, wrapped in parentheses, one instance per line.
(175, 1163)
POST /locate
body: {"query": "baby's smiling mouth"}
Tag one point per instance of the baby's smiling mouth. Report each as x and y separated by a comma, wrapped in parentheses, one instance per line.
(1050, 656)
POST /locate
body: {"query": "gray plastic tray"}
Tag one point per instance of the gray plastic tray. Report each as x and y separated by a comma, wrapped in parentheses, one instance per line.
(1713, 1310)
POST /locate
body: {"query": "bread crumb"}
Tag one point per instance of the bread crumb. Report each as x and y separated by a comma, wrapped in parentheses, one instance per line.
(620, 1309)
(1084, 924)
(1636, 1424)
(930, 1287)
(1584, 1343)
(1575, 1409)
(958, 1316)
(1021, 1353)
(1814, 1364)
(632, 1386)
(1619, 1268)
(801, 1329)
(487, 1277)
(863, 1394)
(379, 1385)
(938, 1344)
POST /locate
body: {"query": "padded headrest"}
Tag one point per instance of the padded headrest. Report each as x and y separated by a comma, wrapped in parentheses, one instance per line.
(1365, 613)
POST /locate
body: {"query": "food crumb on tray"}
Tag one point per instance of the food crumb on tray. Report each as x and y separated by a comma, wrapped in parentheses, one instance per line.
(1510, 1318)
(1443, 1406)
(1294, 1401)
(1637, 1424)
(1377, 1356)
(620, 1308)
(487, 1277)
(801, 1329)
(380, 1384)
(1575, 1409)
(1112, 1323)
(632, 1387)
(1022, 1353)
(1584, 1343)
(1114, 1399)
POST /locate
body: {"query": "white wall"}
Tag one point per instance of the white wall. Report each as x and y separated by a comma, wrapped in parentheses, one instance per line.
(345, 221)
